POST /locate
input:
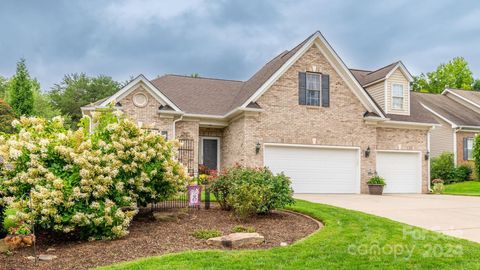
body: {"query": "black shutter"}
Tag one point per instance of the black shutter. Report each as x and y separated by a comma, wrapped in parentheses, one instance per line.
(325, 90)
(302, 86)
(465, 149)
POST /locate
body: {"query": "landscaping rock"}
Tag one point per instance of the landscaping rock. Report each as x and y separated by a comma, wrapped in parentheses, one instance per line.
(283, 244)
(44, 257)
(237, 240)
(3, 247)
(50, 249)
(30, 258)
(165, 216)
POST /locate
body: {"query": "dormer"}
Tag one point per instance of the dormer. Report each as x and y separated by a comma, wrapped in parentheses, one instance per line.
(389, 86)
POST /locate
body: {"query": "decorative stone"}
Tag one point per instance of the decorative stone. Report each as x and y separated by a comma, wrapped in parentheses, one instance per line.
(283, 244)
(44, 257)
(237, 240)
(50, 249)
(165, 216)
(30, 258)
(3, 247)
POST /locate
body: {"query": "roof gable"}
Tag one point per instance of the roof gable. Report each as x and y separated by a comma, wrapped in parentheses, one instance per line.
(131, 86)
(271, 72)
(366, 77)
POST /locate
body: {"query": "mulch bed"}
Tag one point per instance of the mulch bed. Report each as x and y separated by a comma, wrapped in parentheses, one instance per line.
(150, 238)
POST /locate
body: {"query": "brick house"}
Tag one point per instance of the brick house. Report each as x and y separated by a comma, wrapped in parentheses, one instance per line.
(303, 113)
(458, 113)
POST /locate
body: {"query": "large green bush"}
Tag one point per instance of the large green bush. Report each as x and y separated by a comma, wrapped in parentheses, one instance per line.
(463, 173)
(443, 167)
(87, 183)
(251, 190)
(476, 157)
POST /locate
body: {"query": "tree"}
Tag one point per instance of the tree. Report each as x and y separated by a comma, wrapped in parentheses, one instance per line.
(454, 74)
(3, 87)
(7, 116)
(42, 104)
(476, 85)
(20, 94)
(77, 90)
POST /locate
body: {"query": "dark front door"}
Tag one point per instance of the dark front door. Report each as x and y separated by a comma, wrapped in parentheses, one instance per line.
(210, 153)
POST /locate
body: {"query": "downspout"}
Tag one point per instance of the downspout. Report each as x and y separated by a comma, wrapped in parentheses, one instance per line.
(428, 161)
(174, 123)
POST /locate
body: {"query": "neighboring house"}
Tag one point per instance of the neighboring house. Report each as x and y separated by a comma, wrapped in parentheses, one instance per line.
(304, 113)
(458, 113)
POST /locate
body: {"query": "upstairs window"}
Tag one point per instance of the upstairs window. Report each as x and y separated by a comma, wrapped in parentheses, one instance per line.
(397, 96)
(313, 89)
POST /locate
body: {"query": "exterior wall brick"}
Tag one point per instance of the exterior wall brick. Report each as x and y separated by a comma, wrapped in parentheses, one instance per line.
(341, 124)
(460, 136)
(148, 115)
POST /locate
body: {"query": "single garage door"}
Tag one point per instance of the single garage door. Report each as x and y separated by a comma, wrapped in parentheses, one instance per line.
(401, 170)
(316, 169)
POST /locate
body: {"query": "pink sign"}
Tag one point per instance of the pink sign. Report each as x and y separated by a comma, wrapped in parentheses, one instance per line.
(194, 195)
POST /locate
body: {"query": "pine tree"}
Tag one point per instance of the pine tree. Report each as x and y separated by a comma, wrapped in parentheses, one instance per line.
(20, 91)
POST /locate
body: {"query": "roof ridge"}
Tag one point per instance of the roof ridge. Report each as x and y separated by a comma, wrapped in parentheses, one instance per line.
(357, 69)
(384, 67)
(467, 90)
(205, 78)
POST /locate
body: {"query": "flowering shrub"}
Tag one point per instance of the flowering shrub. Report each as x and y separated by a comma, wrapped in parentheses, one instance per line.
(91, 184)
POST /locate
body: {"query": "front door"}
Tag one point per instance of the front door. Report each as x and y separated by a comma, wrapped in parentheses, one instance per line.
(210, 153)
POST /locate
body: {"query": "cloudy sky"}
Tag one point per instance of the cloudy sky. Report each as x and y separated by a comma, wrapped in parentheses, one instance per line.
(228, 39)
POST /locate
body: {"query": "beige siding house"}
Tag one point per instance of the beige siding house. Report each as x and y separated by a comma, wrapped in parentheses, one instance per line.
(303, 113)
(458, 114)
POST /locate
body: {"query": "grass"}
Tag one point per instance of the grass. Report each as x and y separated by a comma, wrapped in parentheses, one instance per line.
(470, 188)
(349, 240)
(243, 229)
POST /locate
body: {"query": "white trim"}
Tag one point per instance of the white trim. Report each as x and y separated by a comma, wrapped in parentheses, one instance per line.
(428, 161)
(405, 123)
(200, 152)
(156, 93)
(403, 69)
(358, 186)
(356, 87)
(455, 146)
(402, 97)
(460, 97)
(386, 96)
(420, 162)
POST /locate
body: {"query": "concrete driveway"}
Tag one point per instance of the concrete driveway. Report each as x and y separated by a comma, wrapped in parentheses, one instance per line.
(453, 215)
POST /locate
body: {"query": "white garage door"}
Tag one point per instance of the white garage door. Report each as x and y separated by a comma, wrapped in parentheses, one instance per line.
(314, 169)
(401, 170)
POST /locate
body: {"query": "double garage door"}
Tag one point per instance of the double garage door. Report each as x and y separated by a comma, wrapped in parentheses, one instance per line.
(318, 169)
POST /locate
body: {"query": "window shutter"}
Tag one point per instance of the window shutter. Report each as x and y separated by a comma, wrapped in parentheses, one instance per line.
(302, 86)
(325, 90)
(465, 148)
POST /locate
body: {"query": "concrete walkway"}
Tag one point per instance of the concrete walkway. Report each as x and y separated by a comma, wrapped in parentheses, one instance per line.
(457, 216)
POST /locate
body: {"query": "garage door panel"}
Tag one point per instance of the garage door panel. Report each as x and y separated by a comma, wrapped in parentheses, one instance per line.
(401, 170)
(316, 170)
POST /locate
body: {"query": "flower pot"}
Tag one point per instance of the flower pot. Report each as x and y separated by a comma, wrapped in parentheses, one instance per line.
(14, 241)
(375, 189)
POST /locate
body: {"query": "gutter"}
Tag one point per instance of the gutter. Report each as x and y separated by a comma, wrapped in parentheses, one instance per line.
(428, 164)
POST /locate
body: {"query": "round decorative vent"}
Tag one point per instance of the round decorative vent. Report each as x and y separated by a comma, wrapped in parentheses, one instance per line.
(140, 100)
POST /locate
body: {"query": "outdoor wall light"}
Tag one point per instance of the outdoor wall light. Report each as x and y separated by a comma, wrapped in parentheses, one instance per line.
(427, 155)
(257, 148)
(367, 152)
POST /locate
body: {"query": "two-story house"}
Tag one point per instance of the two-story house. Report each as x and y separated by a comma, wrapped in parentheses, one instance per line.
(304, 113)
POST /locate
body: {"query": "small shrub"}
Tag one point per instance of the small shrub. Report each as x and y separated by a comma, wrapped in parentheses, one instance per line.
(463, 173)
(243, 229)
(242, 189)
(206, 234)
(9, 219)
(376, 180)
(245, 199)
(438, 186)
(443, 167)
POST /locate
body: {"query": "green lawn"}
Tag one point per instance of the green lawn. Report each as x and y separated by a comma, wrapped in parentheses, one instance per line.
(471, 188)
(349, 240)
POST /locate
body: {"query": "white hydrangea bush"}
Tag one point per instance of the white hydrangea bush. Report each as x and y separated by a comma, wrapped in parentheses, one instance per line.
(86, 183)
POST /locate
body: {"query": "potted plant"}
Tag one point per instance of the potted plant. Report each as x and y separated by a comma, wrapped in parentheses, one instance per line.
(375, 185)
(438, 186)
(20, 236)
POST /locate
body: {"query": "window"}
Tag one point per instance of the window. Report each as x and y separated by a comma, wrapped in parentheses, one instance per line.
(397, 96)
(313, 89)
(468, 148)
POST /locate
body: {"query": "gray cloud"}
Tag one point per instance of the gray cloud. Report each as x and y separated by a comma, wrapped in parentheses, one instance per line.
(227, 39)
